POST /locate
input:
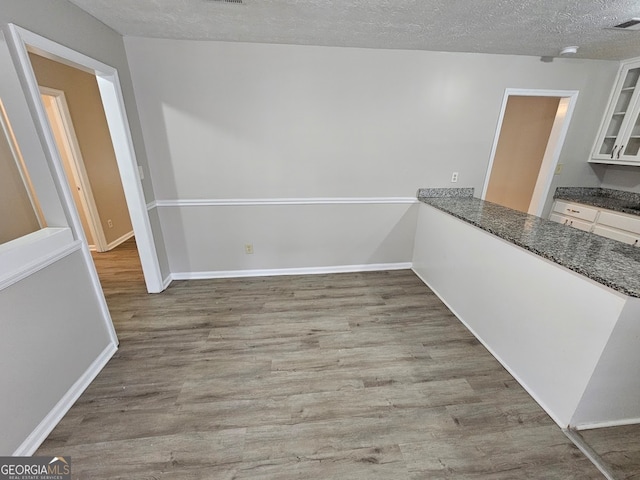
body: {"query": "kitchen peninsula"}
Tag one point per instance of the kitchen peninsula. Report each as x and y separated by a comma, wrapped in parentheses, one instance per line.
(558, 307)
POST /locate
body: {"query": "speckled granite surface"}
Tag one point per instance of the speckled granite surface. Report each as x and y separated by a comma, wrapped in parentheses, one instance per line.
(617, 200)
(445, 192)
(606, 261)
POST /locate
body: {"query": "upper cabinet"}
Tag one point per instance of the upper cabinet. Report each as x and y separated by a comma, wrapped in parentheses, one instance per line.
(619, 138)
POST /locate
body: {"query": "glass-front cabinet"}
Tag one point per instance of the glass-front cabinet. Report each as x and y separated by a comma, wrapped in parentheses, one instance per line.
(619, 138)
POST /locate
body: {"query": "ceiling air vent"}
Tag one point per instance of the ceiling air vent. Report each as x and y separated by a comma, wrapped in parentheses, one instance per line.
(632, 24)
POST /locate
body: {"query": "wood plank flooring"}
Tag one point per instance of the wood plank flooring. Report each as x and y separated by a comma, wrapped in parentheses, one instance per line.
(346, 376)
(618, 448)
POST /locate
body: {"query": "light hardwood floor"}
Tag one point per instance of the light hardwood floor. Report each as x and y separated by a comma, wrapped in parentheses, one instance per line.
(346, 376)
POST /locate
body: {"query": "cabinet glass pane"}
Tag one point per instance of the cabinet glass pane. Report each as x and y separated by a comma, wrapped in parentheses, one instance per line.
(623, 101)
(633, 147)
(614, 125)
(631, 80)
(607, 146)
(634, 140)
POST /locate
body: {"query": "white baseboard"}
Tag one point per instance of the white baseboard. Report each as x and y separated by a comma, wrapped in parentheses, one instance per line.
(166, 282)
(590, 453)
(290, 271)
(495, 355)
(44, 428)
(614, 423)
(120, 241)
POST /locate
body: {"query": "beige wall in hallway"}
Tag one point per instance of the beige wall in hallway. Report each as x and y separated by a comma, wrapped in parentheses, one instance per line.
(87, 114)
(523, 140)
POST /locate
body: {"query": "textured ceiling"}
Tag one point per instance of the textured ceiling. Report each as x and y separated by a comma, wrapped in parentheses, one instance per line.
(521, 27)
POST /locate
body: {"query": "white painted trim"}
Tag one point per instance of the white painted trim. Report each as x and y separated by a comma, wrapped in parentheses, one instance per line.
(551, 157)
(613, 423)
(128, 166)
(615, 162)
(77, 166)
(151, 205)
(234, 202)
(48, 423)
(590, 453)
(121, 240)
(376, 267)
(115, 112)
(495, 355)
(167, 281)
(29, 254)
(572, 95)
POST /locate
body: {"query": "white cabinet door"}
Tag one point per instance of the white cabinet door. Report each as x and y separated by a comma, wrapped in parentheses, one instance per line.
(571, 222)
(618, 235)
(619, 138)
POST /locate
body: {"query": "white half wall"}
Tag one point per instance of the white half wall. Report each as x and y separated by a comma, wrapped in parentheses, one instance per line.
(209, 239)
(246, 121)
(547, 325)
(612, 396)
(48, 344)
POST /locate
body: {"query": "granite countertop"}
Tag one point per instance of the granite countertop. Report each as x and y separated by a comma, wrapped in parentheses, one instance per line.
(617, 200)
(611, 263)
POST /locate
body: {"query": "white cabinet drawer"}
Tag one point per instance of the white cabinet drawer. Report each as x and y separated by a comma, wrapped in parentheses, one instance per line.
(575, 210)
(623, 222)
(617, 235)
(571, 222)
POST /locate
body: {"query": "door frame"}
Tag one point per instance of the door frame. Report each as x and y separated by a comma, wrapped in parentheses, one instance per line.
(21, 41)
(77, 166)
(552, 152)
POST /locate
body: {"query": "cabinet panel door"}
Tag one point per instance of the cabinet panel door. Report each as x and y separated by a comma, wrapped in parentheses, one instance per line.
(571, 222)
(554, 217)
(616, 235)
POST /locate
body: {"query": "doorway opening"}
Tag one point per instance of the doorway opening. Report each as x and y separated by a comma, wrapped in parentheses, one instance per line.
(25, 42)
(529, 138)
(55, 104)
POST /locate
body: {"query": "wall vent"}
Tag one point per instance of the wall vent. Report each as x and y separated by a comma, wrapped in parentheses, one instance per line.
(631, 24)
(238, 2)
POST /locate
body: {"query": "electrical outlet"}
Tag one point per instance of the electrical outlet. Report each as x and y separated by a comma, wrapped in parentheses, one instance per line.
(110, 223)
(248, 248)
(454, 177)
(558, 169)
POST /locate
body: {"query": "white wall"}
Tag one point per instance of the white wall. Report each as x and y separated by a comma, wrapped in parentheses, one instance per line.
(253, 121)
(622, 177)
